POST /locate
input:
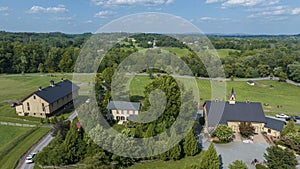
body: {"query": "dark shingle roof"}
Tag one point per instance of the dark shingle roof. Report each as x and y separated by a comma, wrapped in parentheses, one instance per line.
(61, 89)
(274, 124)
(123, 105)
(222, 112)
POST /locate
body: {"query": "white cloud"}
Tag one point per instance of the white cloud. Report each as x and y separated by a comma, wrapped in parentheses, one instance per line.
(249, 3)
(295, 11)
(88, 21)
(4, 8)
(211, 19)
(5, 14)
(213, 1)
(39, 9)
(63, 18)
(103, 14)
(169, 1)
(271, 8)
(131, 2)
(273, 12)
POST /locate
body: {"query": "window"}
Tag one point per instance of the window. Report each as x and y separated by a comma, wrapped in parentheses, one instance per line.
(28, 106)
(269, 131)
(43, 106)
(33, 113)
(41, 114)
(34, 97)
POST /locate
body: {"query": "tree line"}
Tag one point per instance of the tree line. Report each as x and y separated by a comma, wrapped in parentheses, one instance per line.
(251, 56)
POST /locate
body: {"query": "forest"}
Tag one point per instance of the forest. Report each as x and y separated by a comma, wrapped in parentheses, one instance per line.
(249, 56)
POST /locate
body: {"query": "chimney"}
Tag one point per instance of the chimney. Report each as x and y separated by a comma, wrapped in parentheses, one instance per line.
(40, 88)
(51, 83)
(62, 79)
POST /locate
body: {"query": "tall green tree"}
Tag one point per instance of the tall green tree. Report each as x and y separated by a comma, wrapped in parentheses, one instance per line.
(175, 152)
(190, 144)
(237, 164)
(74, 145)
(210, 159)
(289, 128)
(278, 158)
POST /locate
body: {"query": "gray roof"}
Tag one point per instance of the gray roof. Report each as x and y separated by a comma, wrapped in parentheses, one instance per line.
(59, 90)
(274, 124)
(222, 112)
(123, 105)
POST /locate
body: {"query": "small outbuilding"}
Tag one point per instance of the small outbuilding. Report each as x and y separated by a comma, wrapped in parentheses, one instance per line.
(251, 82)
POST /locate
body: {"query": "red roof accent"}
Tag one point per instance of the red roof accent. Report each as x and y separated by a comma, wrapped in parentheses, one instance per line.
(78, 125)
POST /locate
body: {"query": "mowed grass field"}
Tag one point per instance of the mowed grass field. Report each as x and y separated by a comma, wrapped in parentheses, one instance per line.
(10, 159)
(280, 98)
(225, 52)
(9, 133)
(275, 97)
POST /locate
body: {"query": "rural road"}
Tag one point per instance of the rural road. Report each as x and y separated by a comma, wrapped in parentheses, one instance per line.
(40, 145)
(43, 143)
(204, 78)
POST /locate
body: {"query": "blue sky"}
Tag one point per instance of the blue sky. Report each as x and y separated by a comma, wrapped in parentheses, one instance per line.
(211, 16)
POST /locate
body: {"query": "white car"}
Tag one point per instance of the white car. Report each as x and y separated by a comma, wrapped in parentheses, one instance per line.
(281, 116)
(28, 160)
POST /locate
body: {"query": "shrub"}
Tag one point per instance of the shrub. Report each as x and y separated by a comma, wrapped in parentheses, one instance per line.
(260, 166)
(224, 133)
(246, 129)
(237, 164)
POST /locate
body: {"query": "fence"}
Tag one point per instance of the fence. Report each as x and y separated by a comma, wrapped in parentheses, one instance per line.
(17, 124)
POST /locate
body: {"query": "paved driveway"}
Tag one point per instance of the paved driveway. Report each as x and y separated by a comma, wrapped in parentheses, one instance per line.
(240, 151)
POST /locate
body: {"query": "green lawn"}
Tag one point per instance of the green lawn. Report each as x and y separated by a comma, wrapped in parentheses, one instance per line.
(9, 133)
(283, 95)
(178, 51)
(224, 52)
(181, 164)
(11, 158)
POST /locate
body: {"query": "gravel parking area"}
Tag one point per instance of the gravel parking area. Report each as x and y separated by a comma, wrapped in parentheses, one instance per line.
(240, 151)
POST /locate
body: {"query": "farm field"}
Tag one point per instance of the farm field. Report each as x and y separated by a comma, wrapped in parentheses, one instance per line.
(9, 134)
(225, 52)
(275, 97)
(11, 158)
